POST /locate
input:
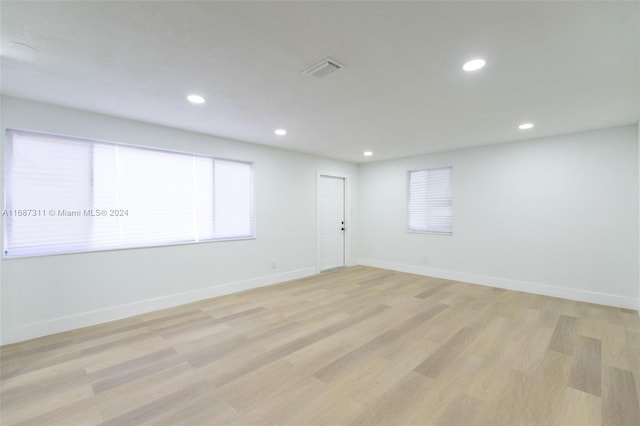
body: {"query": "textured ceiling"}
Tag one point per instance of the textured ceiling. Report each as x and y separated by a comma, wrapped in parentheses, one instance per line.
(566, 66)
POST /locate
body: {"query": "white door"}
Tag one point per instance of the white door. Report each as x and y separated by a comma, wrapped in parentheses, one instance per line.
(331, 217)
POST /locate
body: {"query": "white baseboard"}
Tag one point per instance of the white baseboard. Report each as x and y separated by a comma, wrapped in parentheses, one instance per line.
(85, 319)
(508, 284)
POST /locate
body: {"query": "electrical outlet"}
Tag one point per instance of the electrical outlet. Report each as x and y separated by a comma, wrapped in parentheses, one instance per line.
(425, 259)
(274, 265)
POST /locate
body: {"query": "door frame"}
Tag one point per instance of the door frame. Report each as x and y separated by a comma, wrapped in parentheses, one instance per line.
(347, 216)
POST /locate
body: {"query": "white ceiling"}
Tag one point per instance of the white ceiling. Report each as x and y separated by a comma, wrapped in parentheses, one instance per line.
(566, 66)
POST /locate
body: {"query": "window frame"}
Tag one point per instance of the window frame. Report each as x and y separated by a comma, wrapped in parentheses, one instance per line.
(8, 134)
(408, 201)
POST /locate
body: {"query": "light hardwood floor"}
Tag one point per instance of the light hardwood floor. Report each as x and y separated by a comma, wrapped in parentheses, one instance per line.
(352, 346)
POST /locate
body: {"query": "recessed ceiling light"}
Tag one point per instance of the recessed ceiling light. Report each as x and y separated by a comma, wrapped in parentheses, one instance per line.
(280, 132)
(367, 153)
(474, 64)
(196, 99)
(525, 126)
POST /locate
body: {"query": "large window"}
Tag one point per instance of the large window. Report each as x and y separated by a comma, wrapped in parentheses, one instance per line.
(67, 195)
(431, 201)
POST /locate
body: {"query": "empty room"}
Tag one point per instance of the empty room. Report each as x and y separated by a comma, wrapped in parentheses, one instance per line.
(320, 213)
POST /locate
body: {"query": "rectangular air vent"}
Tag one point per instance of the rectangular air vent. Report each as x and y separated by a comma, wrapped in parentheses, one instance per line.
(323, 68)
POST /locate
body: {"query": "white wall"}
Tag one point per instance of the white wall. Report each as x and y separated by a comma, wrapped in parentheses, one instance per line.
(43, 295)
(555, 216)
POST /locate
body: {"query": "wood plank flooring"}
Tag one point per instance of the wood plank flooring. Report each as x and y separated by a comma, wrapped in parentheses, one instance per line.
(352, 346)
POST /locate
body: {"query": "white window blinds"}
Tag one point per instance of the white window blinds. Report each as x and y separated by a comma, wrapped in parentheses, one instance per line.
(430, 201)
(70, 195)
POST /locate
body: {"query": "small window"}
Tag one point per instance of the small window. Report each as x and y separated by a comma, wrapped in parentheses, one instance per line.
(430, 204)
(67, 195)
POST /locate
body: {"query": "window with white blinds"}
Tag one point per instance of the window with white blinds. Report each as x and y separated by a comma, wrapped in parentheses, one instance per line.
(66, 195)
(431, 201)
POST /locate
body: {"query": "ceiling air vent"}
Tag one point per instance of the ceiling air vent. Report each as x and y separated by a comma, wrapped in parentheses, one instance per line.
(323, 68)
